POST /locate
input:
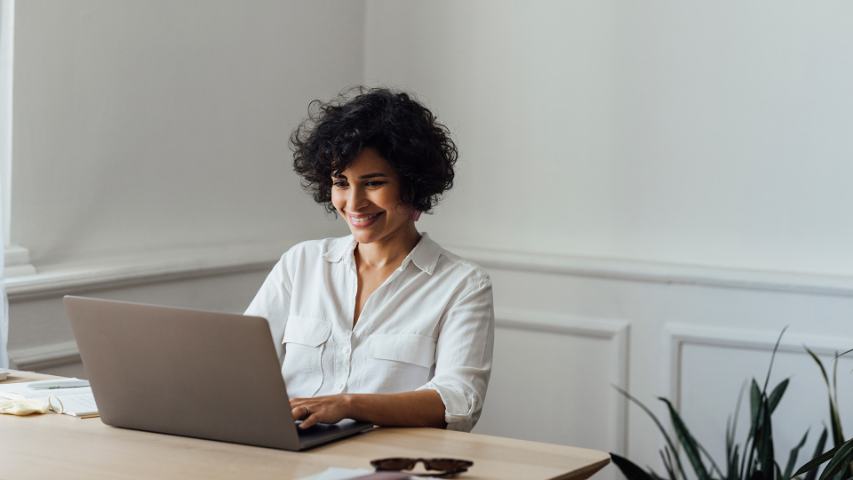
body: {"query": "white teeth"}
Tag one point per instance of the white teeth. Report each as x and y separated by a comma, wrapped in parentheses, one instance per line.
(362, 218)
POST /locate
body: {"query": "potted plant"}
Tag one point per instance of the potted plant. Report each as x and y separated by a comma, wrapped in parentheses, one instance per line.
(755, 458)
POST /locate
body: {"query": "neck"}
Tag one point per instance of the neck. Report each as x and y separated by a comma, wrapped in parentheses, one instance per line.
(388, 251)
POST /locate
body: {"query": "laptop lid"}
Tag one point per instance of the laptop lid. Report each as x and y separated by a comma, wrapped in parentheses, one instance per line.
(184, 372)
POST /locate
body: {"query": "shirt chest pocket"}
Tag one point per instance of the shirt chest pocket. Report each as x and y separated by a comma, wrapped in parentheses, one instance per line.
(305, 340)
(403, 350)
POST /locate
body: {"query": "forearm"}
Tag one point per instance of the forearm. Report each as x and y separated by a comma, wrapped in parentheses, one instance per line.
(421, 408)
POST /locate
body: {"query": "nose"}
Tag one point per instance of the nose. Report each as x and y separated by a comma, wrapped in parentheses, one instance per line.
(357, 197)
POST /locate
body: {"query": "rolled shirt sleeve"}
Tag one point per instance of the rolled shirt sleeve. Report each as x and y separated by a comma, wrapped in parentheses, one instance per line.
(464, 356)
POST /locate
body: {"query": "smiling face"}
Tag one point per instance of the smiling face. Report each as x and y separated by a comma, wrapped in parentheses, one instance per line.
(367, 196)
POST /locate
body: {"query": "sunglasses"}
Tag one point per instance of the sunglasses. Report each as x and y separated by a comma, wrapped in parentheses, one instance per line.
(446, 467)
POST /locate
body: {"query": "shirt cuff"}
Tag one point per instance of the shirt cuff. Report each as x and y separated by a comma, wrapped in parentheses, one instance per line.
(459, 413)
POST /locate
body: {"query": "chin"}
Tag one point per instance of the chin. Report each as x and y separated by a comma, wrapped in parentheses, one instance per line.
(361, 236)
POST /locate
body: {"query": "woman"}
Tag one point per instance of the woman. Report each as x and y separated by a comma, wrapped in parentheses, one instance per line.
(383, 325)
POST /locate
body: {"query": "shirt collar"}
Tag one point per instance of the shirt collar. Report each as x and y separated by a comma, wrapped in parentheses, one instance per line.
(425, 255)
(338, 248)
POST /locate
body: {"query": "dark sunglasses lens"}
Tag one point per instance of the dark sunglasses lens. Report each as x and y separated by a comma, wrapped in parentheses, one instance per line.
(393, 464)
(447, 464)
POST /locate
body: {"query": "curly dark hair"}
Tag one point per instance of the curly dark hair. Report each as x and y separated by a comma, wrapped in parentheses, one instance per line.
(404, 132)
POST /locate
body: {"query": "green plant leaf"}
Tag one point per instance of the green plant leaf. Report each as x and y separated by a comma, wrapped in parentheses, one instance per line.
(845, 352)
(835, 422)
(763, 431)
(733, 472)
(837, 430)
(817, 458)
(654, 418)
(776, 394)
(773, 358)
(764, 443)
(631, 470)
(707, 455)
(754, 403)
(731, 422)
(837, 418)
(834, 418)
(840, 460)
(761, 450)
(733, 465)
(750, 450)
(819, 364)
(691, 448)
(792, 458)
(666, 459)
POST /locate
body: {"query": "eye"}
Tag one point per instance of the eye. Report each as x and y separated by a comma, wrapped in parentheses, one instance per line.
(340, 183)
(375, 183)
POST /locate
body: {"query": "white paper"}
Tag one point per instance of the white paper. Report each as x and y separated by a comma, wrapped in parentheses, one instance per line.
(335, 473)
(75, 401)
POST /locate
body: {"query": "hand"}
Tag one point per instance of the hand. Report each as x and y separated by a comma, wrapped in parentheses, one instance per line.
(326, 409)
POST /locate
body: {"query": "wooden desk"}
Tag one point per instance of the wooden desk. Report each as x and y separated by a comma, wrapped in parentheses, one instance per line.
(44, 446)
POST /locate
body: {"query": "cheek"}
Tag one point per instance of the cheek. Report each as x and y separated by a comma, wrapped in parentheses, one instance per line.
(338, 200)
(389, 199)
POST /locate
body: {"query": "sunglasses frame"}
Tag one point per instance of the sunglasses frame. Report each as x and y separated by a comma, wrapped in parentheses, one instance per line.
(460, 466)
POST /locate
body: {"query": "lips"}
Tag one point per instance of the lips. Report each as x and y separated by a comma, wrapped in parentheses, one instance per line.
(363, 220)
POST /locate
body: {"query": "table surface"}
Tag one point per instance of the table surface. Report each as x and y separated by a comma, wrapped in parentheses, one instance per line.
(41, 445)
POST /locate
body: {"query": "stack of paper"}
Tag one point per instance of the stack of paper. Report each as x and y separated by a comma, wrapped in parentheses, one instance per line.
(73, 396)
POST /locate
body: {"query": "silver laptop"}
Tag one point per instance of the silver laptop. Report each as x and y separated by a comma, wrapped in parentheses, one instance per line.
(191, 373)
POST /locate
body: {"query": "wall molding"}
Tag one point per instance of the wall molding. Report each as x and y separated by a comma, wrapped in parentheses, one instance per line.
(150, 267)
(615, 331)
(659, 272)
(17, 261)
(676, 336)
(45, 356)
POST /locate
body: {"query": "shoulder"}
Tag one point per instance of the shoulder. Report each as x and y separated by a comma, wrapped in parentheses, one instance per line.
(464, 269)
(450, 266)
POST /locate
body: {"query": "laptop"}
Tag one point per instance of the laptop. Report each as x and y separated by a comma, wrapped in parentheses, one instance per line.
(192, 373)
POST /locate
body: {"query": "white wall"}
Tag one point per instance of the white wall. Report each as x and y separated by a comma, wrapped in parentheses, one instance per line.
(669, 133)
(704, 133)
(151, 125)
(708, 134)
(150, 151)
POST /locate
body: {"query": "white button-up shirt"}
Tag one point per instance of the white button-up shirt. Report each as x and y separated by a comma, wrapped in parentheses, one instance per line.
(430, 325)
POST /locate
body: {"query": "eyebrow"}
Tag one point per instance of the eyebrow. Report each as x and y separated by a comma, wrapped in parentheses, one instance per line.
(372, 175)
(363, 177)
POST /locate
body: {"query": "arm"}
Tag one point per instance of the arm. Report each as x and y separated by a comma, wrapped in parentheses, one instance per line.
(422, 408)
(463, 356)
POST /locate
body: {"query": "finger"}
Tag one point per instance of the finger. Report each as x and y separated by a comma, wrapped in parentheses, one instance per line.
(299, 411)
(309, 422)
